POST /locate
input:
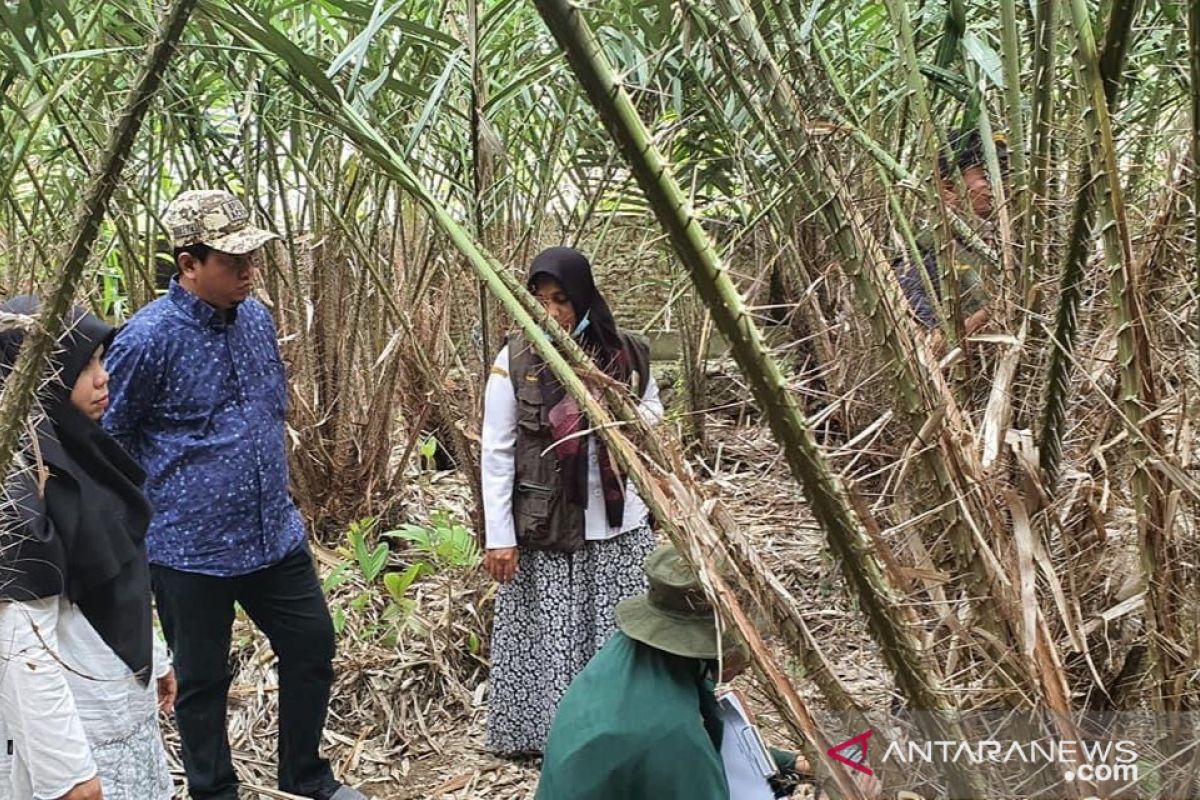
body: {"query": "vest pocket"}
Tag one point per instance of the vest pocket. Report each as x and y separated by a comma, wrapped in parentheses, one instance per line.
(529, 408)
(535, 498)
(532, 504)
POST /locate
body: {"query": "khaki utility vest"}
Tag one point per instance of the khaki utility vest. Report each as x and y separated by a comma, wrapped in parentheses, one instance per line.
(544, 519)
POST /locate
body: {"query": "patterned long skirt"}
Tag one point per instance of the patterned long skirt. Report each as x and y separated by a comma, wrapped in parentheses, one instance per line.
(134, 768)
(550, 620)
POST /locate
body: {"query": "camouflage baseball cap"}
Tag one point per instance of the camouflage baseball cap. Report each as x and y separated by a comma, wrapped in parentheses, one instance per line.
(215, 218)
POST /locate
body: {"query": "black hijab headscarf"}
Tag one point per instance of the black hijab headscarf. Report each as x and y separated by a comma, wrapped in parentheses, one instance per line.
(573, 272)
(605, 344)
(82, 534)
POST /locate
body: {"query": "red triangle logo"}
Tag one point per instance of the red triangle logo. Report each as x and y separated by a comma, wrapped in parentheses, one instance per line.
(858, 744)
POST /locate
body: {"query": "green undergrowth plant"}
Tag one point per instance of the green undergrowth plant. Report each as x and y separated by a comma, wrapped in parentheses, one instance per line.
(386, 605)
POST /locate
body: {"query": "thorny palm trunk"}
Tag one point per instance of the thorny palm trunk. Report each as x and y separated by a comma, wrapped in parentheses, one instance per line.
(1011, 54)
(19, 391)
(1070, 287)
(479, 180)
(478, 186)
(1035, 212)
(1194, 61)
(1138, 394)
(845, 535)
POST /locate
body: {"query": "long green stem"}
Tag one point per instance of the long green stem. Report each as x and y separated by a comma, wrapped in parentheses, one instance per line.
(931, 142)
(21, 387)
(1035, 208)
(1138, 392)
(1070, 287)
(1194, 62)
(1010, 53)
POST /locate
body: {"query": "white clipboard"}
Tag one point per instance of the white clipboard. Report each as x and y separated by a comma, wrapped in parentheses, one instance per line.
(747, 760)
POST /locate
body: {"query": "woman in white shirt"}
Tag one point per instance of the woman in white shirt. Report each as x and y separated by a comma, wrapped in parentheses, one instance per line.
(566, 533)
(81, 673)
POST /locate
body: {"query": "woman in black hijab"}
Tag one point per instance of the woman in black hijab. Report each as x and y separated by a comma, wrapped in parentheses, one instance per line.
(76, 635)
(566, 533)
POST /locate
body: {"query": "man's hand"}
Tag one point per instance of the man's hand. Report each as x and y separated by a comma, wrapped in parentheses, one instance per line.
(88, 790)
(501, 564)
(167, 689)
(977, 320)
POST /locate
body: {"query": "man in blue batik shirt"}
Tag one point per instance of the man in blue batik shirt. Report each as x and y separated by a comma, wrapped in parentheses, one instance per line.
(198, 395)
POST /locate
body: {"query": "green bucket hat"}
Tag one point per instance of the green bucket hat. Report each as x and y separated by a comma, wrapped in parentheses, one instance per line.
(675, 615)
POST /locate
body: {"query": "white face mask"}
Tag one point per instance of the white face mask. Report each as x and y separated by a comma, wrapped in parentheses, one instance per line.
(579, 328)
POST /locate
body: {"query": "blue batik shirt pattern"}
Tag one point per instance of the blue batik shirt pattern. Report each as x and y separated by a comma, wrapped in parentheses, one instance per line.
(199, 401)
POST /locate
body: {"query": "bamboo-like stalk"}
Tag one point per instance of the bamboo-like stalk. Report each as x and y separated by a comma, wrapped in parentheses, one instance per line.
(1122, 19)
(1058, 388)
(478, 179)
(886, 164)
(1138, 394)
(752, 571)
(20, 389)
(1010, 55)
(1034, 211)
(1194, 68)
(1141, 163)
(1070, 287)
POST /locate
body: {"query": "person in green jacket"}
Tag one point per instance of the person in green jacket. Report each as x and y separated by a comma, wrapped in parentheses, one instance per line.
(640, 721)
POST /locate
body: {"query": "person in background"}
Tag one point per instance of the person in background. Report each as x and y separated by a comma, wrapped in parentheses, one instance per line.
(82, 670)
(199, 396)
(566, 533)
(971, 165)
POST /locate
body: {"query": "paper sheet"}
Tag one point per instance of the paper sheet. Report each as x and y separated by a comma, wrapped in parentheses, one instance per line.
(748, 763)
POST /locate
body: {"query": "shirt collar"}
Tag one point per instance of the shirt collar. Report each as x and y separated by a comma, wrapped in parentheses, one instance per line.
(203, 313)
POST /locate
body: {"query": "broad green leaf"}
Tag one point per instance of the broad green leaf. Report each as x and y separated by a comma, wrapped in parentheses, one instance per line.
(988, 59)
(336, 578)
(375, 562)
(397, 583)
(434, 102)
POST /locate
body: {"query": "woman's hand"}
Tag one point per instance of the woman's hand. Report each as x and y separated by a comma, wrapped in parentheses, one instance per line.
(88, 790)
(501, 564)
(167, 689)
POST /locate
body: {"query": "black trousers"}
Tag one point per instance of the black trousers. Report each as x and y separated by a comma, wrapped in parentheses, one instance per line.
(286, 603)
